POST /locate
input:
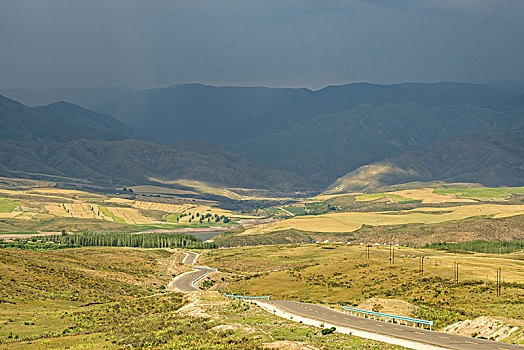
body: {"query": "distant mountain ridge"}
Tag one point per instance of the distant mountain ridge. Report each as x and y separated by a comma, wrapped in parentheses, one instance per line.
(74, 115)
(229, 114)
(281, 139)
(19, 122)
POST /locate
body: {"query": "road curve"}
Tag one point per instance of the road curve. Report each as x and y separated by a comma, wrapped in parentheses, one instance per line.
(186, 282)
(408, 333)
(424, 339)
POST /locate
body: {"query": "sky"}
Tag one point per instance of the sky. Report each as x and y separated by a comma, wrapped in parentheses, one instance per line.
(284, 43)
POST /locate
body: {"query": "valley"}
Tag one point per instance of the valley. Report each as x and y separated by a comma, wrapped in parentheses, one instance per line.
(261, 175)
(407, 204)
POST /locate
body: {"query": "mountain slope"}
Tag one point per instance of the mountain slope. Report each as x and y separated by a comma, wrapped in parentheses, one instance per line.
(32, 141)
(326, 147)
(135, 162)
(70, 114)
(493, 159)
(18, 122)
(227, 115)
(508, 86)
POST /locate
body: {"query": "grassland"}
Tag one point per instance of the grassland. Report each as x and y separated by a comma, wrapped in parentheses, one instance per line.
(173, 218)
(114, 298)
(7, 205)
(342, 275)
(39, 288)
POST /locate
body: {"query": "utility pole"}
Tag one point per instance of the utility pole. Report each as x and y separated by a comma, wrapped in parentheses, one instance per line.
(367, 250)
(456, 272)
(393, 254)
(390, 257)
(422, 265)
(499, 273)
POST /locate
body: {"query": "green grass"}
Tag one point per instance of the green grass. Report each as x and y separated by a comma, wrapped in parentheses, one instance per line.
(173, 218)
(480, 193)
(7, 205)
(92, 199)
(295, 209)
(107, 212)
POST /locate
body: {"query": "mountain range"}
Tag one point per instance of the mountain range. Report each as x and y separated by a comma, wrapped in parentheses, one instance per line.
(341, 138)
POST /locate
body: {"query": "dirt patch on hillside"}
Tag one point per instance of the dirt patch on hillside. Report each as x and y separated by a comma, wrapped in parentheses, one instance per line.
(233, 327)
(288, 345)
(489, 328)
(203, 304)
(389, 306)
(173, 264)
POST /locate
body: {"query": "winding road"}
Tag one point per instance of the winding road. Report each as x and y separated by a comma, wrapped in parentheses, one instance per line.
(319, 315)
(186, 282)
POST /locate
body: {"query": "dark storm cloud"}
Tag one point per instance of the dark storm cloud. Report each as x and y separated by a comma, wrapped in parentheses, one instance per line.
(273, 42)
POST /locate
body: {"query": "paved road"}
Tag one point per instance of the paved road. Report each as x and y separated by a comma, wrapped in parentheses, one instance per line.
(190, 258)
(184, 282)
(445, 340)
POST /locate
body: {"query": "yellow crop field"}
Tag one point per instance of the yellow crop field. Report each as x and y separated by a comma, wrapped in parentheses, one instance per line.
(76, 210)
(9, 215)
(428, 196)
(131, 215)
(351, 221)
(168, 208)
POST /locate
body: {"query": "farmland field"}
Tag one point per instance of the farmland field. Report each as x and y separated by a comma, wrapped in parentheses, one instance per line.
(40, 208)
(481, 193)
(352, 221)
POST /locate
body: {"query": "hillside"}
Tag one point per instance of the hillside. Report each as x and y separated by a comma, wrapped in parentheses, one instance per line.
(308, 154)
(70, 114)
(326, 147)
(19, 122)
(229, 114)
(135, 162)
(493, 159)
(34, 142)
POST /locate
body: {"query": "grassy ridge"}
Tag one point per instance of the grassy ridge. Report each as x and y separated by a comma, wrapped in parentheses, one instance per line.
(78, 275)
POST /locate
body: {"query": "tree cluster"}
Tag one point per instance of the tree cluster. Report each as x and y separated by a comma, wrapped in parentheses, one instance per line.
(144, 240)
